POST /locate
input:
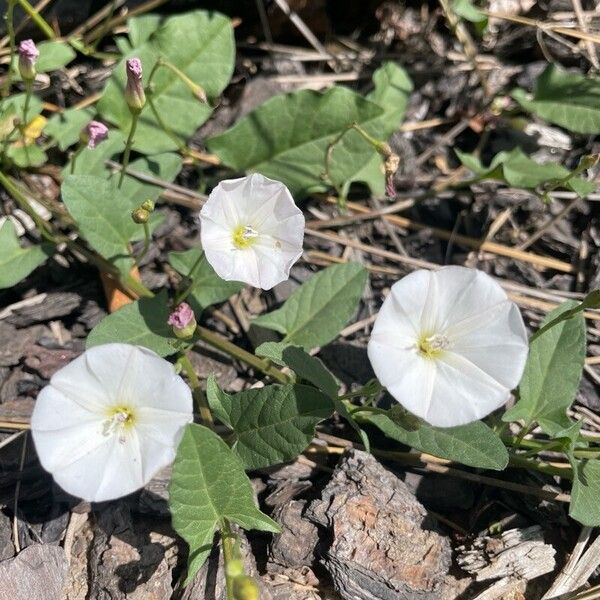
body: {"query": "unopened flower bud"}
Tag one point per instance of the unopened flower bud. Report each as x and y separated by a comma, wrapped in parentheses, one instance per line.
(28, 55)
(134, 90)
(93, 133)
(589, 160)
(245, 588)
(183, 321)
(140, 215)
(148, 205)
(199, 93)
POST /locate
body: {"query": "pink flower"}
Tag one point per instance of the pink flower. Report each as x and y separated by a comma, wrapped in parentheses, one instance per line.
(94, 133)
(134, 90)
(183, 321)
(28, 55)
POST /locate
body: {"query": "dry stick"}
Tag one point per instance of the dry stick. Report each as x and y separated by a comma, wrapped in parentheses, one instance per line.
(423, 264)
(95, 19)
(574, 33)
(547, 225)
(588, 44)
(463, 36)
(463, 240)
(39, 7)
(303, 29)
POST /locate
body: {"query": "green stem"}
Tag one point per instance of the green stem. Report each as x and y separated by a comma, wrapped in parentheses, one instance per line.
(75, 156)
(540, 466)
(221, 343)
(37, 19)
(180, 145)
(228, 541)
(199, 396)
(183, 294)
(10, 28)
(144, 251)
(134, 120)
(28, 90)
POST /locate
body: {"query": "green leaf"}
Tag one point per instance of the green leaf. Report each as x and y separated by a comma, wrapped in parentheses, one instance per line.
(584, 506)
(552, 373)
(468, 11)
(103, 216)
(318, 310)
(271, 425)
(288, 136)
(303, 364)
(570, 100)
(54, 56)
(208, 287)
(17, 102)
(475, 444)
(199, 43)
(592, 300)
(518, 170)
(30, 155)
(142, 27)
(209, 485)
(143, 323)
(65, 127)
(93, 161)
(16, 262)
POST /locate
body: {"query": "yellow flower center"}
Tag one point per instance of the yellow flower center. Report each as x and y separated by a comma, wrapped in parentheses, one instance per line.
(244, 236)
(119, 418)
(432, 346)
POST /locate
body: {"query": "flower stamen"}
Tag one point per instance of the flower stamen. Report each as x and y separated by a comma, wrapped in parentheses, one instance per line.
(431, 346)
(244, 236)
(118, 418)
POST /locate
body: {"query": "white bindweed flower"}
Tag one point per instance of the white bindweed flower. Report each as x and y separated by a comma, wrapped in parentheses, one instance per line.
(448, 345)
(252, 231)
(110, 420)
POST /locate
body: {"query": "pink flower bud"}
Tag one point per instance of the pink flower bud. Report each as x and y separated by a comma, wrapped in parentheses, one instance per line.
(134, 91)
(94, 133)
(183, 321)
(28, 55)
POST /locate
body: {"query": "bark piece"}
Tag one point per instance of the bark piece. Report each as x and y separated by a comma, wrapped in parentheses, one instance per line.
(37, 573)
(384, 544)
(129, 562)
(512, 559)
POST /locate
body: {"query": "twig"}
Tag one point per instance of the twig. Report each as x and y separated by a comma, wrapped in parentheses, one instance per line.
(303, 29)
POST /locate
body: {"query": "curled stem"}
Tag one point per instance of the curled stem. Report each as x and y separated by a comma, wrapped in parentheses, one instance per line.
(75, 156)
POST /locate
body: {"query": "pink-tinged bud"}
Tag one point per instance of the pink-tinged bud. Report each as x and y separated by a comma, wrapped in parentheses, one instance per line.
(183, 321)
(94, 133)
(134, 90)
(28, 55)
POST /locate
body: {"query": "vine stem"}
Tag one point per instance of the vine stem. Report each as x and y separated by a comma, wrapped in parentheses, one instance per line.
(37, 19)
(28, 91)
(10, 27)
(230, 348)
(228, 540)
(183, 294)
(198, 393)
(134, 121)
(76, 156)
(144, 251)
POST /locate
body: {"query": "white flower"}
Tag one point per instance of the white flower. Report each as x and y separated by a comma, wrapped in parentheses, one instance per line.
(110, 420)
(448, 345)
(252, 231)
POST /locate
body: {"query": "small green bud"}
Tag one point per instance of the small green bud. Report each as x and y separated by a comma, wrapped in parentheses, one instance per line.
(148, 205)
(140, 215)
(245, 588)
